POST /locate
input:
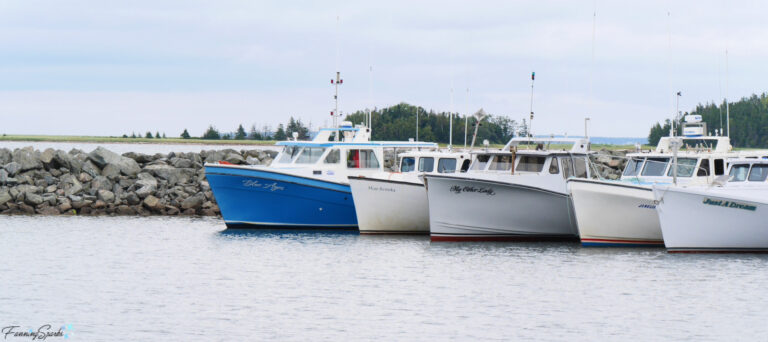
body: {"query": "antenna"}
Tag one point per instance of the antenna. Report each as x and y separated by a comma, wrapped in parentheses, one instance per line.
(720, 89)
(417, 123)
(335, 113)
(466, 120)
(370, 94)
(669, 71)
(530, 123)
(592, 73)
(727, 105)
(450, 119)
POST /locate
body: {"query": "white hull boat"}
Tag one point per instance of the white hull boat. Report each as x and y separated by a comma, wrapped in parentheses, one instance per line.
(614, 213)
(731, 218)
(511, 194)
(396, 202)
(471, 209)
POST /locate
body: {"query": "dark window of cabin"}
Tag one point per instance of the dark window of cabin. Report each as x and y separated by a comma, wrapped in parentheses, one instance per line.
(703, 168)
(719, 167)
(465, 165)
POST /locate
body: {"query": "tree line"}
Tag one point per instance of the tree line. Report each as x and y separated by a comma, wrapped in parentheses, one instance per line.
(748, 118)
(397, 123)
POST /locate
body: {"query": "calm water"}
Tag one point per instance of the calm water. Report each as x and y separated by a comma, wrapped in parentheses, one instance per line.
(123, 148)
(184, 279)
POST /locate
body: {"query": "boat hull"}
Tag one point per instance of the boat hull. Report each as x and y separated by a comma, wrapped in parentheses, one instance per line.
(705, 221)
(465, 209)
(390, 207)
(269, 199)
(615, 214)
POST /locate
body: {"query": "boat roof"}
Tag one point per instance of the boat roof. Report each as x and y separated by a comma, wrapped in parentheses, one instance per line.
(577, 145)
(409, 144)
(434, 153)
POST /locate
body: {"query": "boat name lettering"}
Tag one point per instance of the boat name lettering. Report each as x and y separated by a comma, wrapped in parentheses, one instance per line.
(459, 189)
(269, 186)
(378, 188)
(729, 204)
(648, 205)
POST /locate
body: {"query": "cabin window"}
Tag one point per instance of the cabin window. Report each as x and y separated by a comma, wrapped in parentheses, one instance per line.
(703, 168)
(655, 167)
(465, 165)
(286, 156)
(758, 173)
(633, 167)
(531, 163)
(719, 167)
(446, 165)
(738, 173)
(426, 164)
(333, 157)
(580, 167)
(480, 161)
(553, 169)
(567, 165)
(685, 167)
(310, 155)
(390, 159)
(362, 159)
(501, 163)
(408, 164)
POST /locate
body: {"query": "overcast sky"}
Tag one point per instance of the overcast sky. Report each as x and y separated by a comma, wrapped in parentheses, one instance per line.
(109, 67)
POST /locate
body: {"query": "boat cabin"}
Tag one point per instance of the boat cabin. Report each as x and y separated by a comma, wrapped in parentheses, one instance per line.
(747, 171)
(550, 156)
(434, 162)
(345, 147)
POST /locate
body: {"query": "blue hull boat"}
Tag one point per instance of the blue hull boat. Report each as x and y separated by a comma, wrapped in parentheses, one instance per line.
(264, 198)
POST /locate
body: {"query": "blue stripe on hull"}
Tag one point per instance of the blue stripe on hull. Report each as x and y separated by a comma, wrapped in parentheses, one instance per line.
(269, 200)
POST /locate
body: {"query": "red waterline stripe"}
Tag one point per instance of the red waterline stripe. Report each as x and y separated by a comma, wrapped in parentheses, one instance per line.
(644, 242)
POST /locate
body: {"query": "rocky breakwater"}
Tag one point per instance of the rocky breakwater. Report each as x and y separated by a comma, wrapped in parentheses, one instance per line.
(55, 182)
(609, 163)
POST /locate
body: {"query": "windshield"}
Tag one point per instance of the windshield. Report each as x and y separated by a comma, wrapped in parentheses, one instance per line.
(310, 155)
(685, 167)
(738, 173)
(479, 162)
(426, 164)
(633, 167)
(407, 164)
(446, 165)
(288, 153)
(501, 163)
(758, 173)
(655, 166)
(531, 163)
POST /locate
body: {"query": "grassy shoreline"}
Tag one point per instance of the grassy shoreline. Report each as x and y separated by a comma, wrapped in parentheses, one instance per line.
(119, 140)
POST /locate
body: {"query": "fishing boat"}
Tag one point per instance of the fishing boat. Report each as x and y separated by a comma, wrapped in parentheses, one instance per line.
(516, 193)
(725, 217)
(396, 202)
(622, 212)
(306, 186)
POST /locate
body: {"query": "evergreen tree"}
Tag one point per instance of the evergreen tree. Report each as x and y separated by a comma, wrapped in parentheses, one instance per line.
(148, 135)
(280, 134)
(211, 133)
(163, 135)
(133, 135)
(254, 134)
(298, 127)
(125, 136)
(240, 134)
(157, 135)
(185, 134)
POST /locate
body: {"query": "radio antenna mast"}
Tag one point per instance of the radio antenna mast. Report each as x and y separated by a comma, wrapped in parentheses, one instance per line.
(338, 81)
(530, 123)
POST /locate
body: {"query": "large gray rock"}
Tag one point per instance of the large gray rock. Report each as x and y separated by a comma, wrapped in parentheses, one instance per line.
(111, 171)
(32, 198)
(28, 158)
(62, 159)
(102, 157)
(152, 202)
(146, 185)
(193, 202)
(100, 183)
(170, 174)
(46, 157)
(3, 177)
(139, 157)
(91, 169)
(181, 163)
(234, 158)
(5, 156)
(5, 197)
(70, 185)
(13, 168)
(106, 196)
